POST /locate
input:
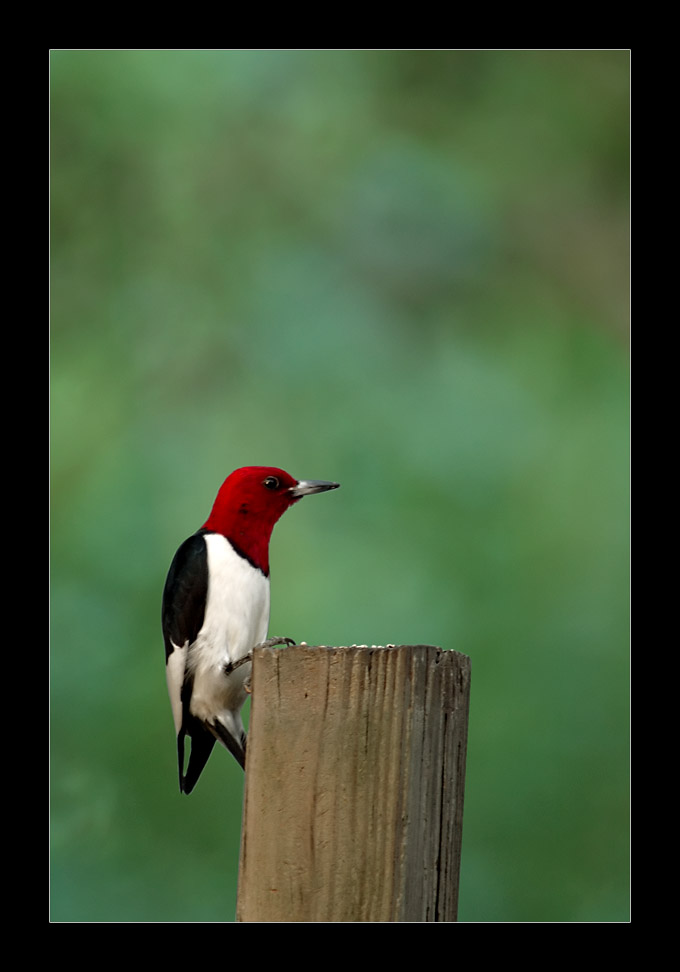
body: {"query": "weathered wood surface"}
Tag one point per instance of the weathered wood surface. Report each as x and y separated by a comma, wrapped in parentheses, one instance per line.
(354, 784)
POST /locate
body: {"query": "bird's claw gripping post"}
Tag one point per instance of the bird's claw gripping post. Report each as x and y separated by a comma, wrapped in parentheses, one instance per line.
(232, 666)
(276, 641)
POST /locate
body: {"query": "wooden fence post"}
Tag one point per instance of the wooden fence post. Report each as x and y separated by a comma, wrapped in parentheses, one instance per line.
(354, 785)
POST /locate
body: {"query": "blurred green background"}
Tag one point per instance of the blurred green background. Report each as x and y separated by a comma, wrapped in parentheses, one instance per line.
(403, 270)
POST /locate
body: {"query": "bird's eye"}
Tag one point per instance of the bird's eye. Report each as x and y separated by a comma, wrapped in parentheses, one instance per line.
(271, 482)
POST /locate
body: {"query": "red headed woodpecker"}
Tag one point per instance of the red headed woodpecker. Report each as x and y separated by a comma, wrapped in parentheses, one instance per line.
(216, 610)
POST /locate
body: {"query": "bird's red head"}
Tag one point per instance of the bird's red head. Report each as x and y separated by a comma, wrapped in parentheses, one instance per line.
(249, 503)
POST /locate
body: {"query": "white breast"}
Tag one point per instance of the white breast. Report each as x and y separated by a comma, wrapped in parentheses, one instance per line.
(236, 619)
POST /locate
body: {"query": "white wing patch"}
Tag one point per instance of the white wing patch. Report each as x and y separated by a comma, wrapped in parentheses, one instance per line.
(174, 672)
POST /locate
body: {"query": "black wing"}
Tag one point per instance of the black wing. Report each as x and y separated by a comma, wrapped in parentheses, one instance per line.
(185, 593)
(183, 613)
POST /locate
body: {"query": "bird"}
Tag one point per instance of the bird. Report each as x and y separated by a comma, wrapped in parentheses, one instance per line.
(215, 611)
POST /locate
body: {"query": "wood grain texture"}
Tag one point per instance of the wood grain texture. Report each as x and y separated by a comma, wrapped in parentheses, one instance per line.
(354, 784)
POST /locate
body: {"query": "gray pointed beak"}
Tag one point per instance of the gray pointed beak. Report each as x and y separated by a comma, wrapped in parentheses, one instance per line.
(307, 486)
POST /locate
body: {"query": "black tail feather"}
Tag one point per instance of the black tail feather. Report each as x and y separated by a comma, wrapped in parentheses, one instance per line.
(236, 747)
(202, 743)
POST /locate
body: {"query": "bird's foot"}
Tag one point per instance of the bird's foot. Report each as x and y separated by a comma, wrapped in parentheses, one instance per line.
(232, 666)
(275, 641)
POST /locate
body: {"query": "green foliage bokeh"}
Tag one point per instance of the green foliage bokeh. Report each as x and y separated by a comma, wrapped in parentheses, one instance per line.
(402, 270)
